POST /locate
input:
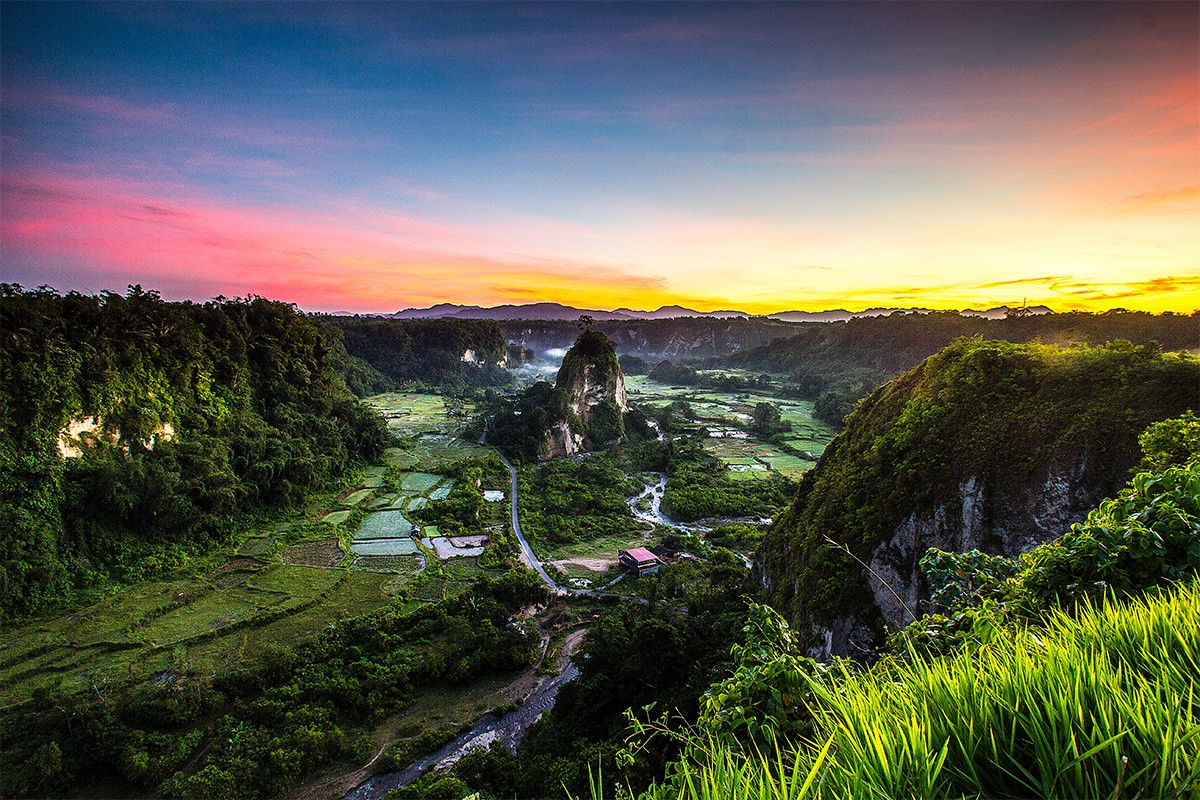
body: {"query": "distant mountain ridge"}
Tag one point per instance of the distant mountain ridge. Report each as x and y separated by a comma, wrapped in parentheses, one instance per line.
(543, 312)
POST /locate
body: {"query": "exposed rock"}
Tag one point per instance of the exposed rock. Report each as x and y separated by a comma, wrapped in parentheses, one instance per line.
(80, 429)
(70, 440)
(987, 446)
(560, 441)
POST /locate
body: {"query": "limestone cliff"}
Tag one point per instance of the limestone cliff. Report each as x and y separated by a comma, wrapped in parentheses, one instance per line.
(594, 388)
(985, 445)
(591, 376)
(584, 409)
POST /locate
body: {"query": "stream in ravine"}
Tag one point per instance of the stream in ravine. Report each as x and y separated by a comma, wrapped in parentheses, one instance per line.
(509, 729)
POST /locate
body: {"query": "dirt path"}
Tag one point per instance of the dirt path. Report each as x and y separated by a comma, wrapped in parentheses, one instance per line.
(594, 564)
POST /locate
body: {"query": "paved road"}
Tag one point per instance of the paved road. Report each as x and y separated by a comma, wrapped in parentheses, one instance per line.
(527, 555)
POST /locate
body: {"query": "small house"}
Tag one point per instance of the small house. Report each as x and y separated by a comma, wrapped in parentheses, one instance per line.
(665, 554)
(639, 560)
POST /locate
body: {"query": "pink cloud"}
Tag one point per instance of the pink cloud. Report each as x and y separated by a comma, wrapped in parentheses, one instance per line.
(362, 259)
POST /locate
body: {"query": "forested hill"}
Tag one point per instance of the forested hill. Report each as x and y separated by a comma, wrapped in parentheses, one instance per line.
(385, 353)
(135, 431)
(987, 445)
(837, 363)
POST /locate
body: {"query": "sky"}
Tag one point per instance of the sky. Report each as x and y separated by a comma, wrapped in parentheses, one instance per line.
(762, 157)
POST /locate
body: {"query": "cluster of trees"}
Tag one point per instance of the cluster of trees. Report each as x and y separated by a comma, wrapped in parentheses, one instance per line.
(386, 353)
(204, 414)
(838, 363)
(520, 425)
(767, 421)
(699, 486)
(671, 373)
(1005, 414)
(257, 732)
(577, 501)
(462, 512)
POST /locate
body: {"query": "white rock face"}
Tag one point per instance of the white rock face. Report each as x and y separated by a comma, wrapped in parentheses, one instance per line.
(593, 393)
(561, 441)
(68, 440)
(70, 444)
(469, 356)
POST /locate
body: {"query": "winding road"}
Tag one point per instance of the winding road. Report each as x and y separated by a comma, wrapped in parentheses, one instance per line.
(528, 557)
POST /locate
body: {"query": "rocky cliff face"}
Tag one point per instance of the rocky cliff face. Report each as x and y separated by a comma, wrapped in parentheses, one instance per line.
(560, 441)
(591, 376)
(987, 446)
(977, 518)
(591, 380)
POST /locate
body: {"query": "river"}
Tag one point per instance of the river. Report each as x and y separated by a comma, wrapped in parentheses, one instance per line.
(655, 516)
(509, 729)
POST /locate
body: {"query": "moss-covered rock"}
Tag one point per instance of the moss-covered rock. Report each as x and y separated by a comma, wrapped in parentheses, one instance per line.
(986, 445)
(585, 409)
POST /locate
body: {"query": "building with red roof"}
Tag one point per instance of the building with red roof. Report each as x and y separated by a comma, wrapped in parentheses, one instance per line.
(639, 560)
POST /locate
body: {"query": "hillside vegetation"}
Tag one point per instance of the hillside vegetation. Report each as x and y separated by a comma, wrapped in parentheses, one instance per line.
(1068, 672)
(837, 363)
(387, 353)
(986, 445)
(188, 417)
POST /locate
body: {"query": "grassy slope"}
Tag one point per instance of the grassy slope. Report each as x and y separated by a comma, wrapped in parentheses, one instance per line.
(1096, 704)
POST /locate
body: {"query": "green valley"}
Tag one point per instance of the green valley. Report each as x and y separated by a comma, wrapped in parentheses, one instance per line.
(231, 576)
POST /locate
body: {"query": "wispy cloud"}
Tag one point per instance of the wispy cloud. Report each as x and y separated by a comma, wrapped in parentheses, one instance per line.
(373, 260)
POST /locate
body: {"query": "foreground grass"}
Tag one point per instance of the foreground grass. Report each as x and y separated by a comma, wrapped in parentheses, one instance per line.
(1104, 704)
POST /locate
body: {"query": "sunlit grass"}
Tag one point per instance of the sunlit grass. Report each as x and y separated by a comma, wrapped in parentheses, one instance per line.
(1104, 704)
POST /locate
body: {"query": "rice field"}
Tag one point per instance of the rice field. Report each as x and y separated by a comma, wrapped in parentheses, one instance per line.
(749, 459)
(419, 481)
(280, 584)
(385, 547)
(336, 517)
(384, 525)
(410, 413)
(724, 414)
(194, 626)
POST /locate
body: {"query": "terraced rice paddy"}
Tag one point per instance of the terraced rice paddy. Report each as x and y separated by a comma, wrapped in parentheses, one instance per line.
(409, 413)
(354, 498)
(749, 459)
(385, 547)
(193, 627)
(324, 553)
(384, 525)
(419, 481)
(442, 492)
(284, 582)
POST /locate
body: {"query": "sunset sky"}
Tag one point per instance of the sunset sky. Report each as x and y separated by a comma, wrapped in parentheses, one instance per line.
(761, 157)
